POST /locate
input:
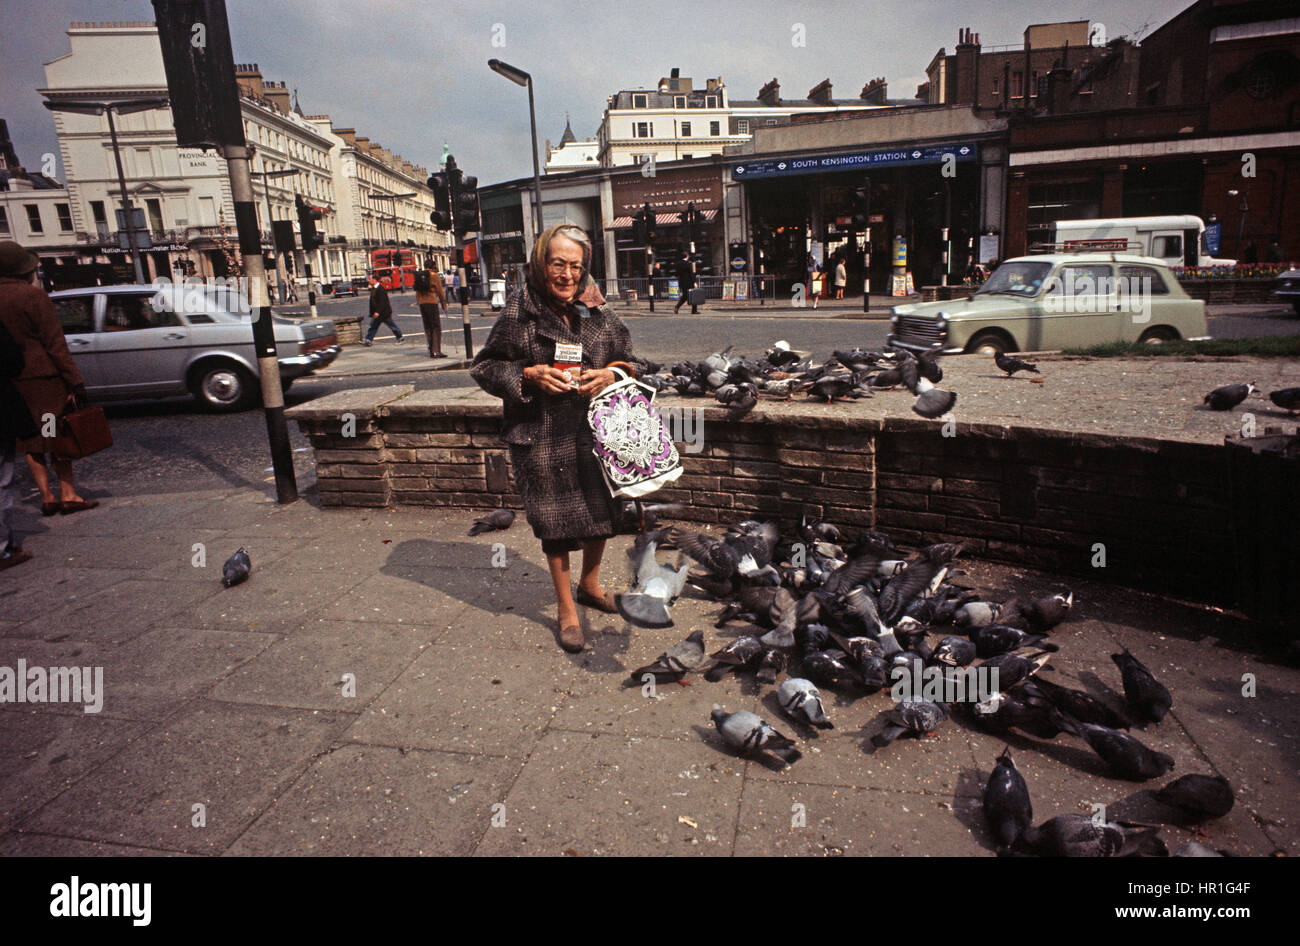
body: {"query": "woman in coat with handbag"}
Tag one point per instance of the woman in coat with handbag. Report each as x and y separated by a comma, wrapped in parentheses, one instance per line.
(558, 319)
(50, 382)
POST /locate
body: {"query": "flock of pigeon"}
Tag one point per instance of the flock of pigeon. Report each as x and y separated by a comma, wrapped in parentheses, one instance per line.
(738, 382)
(848, 613)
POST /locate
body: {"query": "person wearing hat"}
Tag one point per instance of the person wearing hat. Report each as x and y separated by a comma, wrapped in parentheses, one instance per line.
(49, 378)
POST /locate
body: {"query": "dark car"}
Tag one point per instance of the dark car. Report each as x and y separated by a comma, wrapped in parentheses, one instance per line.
(1288, 289)
(345, 288)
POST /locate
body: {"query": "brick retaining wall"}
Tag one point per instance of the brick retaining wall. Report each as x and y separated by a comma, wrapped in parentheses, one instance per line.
(1043, 498)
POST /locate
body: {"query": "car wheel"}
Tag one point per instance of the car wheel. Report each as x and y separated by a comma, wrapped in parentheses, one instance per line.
(1161, 333)
(989, 343)
(224, 386)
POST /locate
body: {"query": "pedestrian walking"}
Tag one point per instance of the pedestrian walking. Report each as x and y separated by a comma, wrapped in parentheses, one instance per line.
(50, 381)
(558, 317)
(428, 296)
(685, 281)
(15, 421)
(841, 278)
(816, 280)
(381, 310)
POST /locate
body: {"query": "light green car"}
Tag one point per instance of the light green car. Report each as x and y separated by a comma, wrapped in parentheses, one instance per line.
(1053, 301)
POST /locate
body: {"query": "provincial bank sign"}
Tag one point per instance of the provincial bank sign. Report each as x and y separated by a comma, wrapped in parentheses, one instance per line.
(854, 160)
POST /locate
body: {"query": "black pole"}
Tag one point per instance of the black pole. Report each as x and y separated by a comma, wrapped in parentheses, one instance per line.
(866, 268)
(250, 247)
(127, 207)
(650, 275)
(464, 298)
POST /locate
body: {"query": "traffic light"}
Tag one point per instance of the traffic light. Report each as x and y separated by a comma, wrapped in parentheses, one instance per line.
(466, 207)
(649, 224)
(861, 206)
(638, 228)
(441, 215)
(691, 218)
(307, 217)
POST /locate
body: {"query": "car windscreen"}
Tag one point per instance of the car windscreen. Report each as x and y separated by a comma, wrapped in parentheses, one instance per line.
(1018, 279)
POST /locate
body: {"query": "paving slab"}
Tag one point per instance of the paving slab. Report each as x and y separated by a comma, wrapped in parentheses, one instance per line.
(382, 801)
(472, 698)
(35, 844)
(310, 669)
(605, 794)
(51, 586)
(827, 821)
(232, 759)
(120, 612)
(45, 753)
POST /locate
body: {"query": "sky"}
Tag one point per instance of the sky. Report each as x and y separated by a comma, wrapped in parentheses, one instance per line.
(412, 74)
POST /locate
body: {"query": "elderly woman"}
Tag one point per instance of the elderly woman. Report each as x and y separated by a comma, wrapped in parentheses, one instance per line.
(545, 419)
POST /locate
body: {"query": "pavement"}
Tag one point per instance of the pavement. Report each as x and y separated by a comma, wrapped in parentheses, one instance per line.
(380, 686)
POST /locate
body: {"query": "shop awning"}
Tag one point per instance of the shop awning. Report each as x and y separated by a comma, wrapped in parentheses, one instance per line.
(662, 220)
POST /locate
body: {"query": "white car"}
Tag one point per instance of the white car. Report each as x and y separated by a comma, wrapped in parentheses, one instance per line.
(137, 342)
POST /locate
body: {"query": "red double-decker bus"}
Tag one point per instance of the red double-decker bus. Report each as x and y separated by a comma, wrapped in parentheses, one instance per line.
(395, 268)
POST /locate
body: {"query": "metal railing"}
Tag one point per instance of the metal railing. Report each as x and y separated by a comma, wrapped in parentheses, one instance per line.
(760, 289)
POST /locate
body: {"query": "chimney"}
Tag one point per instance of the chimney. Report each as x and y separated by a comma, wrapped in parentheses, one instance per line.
(964, 85)
(820, 94)
(923, 91)
(277, 95)
(770, 94)
(249, 79)
(875, 92)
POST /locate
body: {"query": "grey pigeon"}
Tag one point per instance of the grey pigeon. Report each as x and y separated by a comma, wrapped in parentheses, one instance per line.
(932, 402)
(656, 587)
(975, 614)
(802, 700)
(954, 652)
(1229, 396)
(741, 653)
(920, 717)
(1012, 365)
(1127, 757)
(674, 663)
(1084, 707)
(1197, 798)
(1080, 836)
(498, 520)
(751, 735)
(1145, 694)
(236, 569)
(1006, 801)
(1287, 398)
(770, 665)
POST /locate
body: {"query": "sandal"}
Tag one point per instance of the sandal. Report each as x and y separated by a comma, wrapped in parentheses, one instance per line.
(49, 509)
(571, 638)
(14, 557)
(77, 505)
(604, 603)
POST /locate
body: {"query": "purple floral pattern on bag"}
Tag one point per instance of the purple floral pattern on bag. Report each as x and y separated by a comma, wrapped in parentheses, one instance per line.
(631, 439)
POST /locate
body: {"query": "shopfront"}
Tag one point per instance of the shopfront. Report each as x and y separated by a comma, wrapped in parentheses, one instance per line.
(669, 192)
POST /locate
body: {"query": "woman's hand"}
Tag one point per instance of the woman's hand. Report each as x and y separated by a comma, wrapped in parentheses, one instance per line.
(595, 380)
(548, 378)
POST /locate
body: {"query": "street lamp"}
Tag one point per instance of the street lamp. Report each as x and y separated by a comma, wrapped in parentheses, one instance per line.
(394, 198)
(519, 77)
(270, 225)
(122, 107)
(1241, 230)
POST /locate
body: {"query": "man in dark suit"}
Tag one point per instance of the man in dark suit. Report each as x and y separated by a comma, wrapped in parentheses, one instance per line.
(685, 281)
(381, 310)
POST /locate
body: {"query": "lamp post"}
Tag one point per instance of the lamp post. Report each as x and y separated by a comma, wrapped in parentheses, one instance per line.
(519, 77)
(266, 194)
(1241, 230)
(122, 107)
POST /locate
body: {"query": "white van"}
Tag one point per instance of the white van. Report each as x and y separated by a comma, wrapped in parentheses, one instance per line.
(1175, 239)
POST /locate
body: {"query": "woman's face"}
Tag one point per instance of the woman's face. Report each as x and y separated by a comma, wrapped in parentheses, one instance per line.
(563, 268)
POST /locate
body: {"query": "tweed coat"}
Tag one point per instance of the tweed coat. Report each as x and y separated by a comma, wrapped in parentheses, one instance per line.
(551, 446)
(49, 372)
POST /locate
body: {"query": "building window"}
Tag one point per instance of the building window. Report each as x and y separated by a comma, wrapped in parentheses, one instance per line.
(1033, 84)
(997, 86)
(1017, 85)
(742, 126)
(4, 221)
(715, 128)
(34, 218)
(770, 121)
(640, 101)
(97, 211)
(710, 101)
(686, 129)
(154, 208)
(65, 217)
(643, 130)
(687, 157)
(679, 101)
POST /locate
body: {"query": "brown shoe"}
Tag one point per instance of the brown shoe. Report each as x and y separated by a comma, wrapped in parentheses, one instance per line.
(15, 557)
(604, 603)
(77, 505)
(571, 638)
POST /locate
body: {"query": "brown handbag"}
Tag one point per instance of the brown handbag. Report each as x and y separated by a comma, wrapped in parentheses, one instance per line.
(81, 433)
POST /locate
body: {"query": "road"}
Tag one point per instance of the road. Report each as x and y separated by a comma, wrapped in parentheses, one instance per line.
(172, 446)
